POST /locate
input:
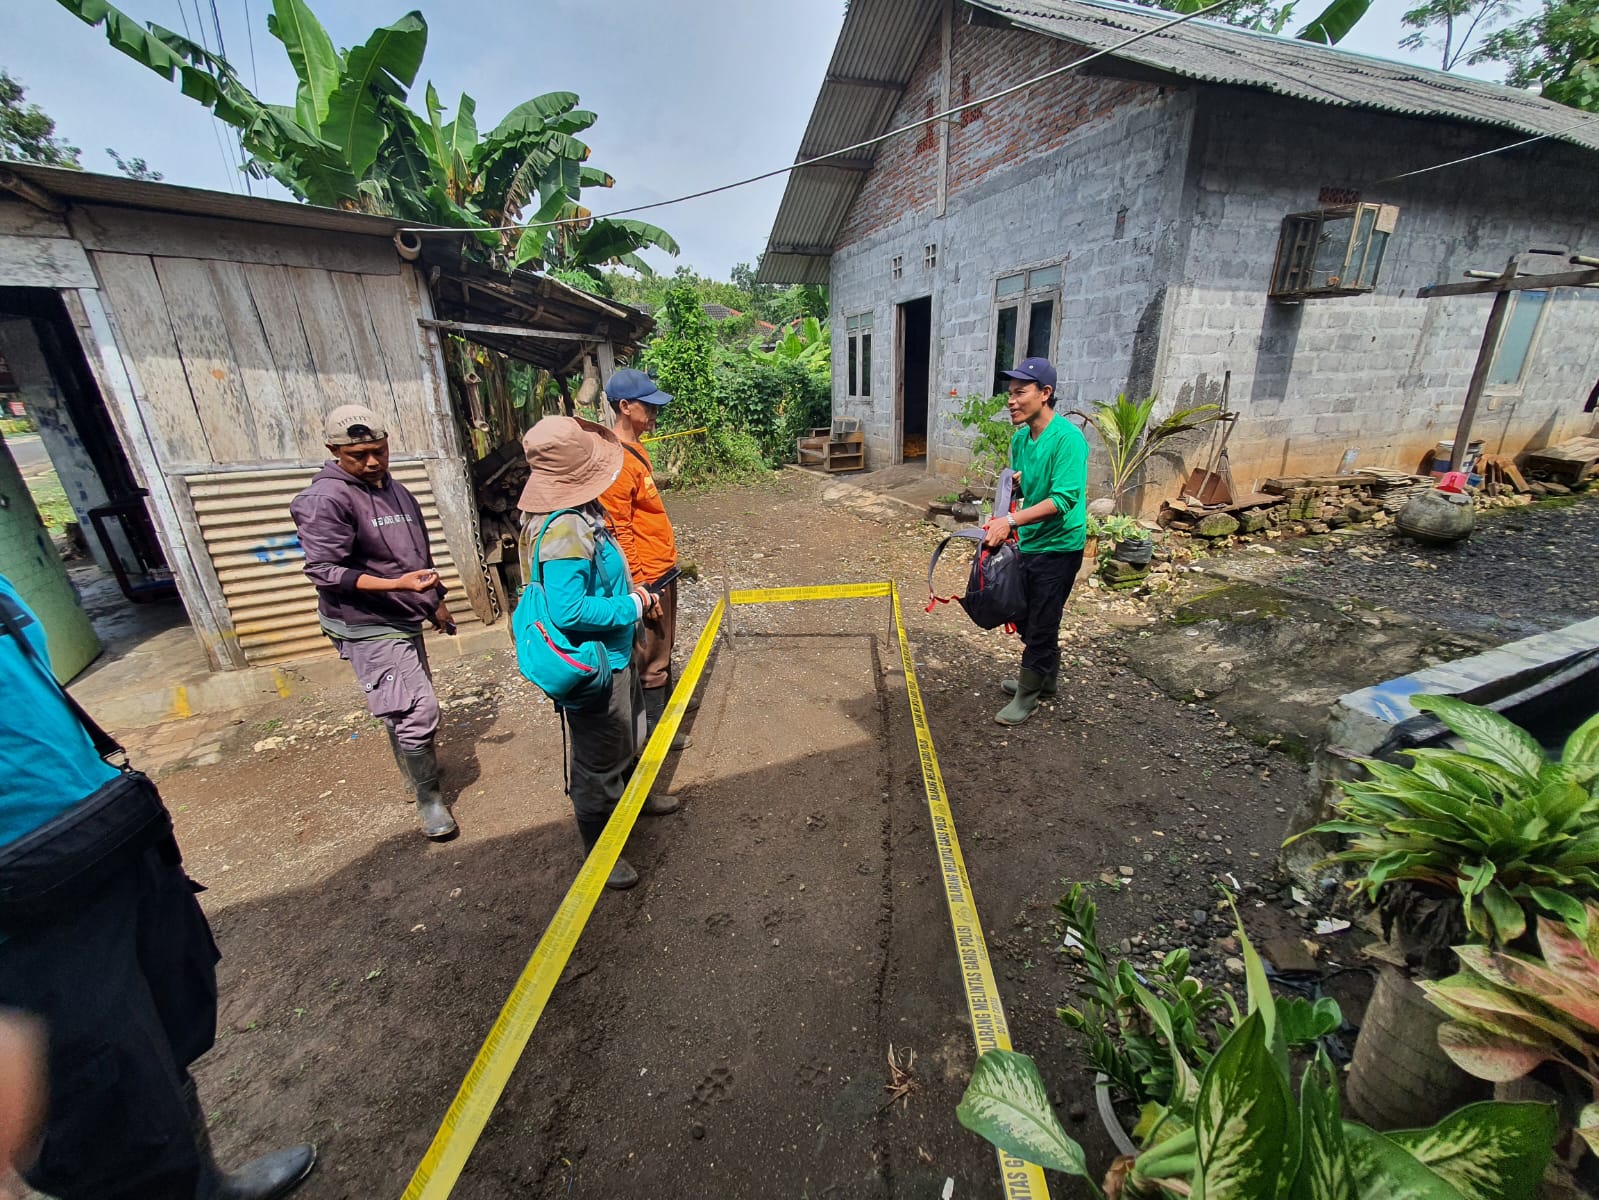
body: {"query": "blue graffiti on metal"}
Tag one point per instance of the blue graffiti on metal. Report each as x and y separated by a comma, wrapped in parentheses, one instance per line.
(278, 549)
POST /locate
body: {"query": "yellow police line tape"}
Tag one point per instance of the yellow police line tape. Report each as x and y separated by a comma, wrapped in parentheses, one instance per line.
(485, 1081)
(666, 437)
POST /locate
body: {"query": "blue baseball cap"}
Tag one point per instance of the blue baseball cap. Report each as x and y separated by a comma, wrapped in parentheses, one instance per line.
(628, 384)
(1034, 370)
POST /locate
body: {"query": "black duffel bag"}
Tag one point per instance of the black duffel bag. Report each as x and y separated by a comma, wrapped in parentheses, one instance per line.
(67, 860)
(995, 594)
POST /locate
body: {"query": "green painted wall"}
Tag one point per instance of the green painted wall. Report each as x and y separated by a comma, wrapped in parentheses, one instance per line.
(29, 560)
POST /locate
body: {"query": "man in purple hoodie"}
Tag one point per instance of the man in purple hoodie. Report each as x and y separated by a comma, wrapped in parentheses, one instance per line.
(366, 549)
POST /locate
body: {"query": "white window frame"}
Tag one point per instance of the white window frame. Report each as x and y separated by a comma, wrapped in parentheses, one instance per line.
(1516, 386)
(1048, 287)
(896, 267)
(930, 256)
(858, 355)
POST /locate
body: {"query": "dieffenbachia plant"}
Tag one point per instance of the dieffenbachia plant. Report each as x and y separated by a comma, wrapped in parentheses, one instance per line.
(1235, 1132)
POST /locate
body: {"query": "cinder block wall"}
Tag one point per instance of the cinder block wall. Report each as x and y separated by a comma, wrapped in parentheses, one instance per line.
(1383, 373)
(1034, 180)
(1174, 294)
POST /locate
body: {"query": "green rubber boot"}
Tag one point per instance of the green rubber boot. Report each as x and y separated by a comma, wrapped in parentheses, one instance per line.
(1008, 686)
(1029, 691)
(422, 772)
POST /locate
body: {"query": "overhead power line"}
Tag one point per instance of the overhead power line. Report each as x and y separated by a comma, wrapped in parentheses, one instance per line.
(846, 150)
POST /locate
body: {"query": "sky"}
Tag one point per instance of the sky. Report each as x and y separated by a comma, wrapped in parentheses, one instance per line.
(690, 93)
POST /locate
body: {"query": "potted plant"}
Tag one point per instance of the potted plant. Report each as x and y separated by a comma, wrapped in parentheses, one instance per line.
(1130, 441)
(1137, 1028)
(1121, 537)
(985, 419)
(1461, 843)
(1512, 1015)
(1235, 1130)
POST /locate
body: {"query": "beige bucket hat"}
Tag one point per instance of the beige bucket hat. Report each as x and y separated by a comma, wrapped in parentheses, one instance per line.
(572, 461)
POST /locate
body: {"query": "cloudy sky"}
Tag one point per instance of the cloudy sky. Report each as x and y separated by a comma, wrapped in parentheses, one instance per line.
(690, 93)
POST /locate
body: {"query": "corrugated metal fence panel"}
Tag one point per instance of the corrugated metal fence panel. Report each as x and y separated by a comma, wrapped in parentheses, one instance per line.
(244, 519)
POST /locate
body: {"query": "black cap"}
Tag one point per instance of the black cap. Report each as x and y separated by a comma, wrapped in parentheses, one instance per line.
(1034, 370)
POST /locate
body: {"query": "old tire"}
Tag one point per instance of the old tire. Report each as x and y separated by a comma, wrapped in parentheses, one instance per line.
(1400, 1079)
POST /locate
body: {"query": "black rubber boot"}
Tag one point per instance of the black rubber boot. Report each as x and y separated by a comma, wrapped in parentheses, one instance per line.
(422, 769)
(265, 1178)
(654, 705)
(1029, 691)
(622, 875)
(1008, 686)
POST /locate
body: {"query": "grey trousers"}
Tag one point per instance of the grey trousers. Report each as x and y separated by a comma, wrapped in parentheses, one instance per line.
(604, 746)
(394, 674)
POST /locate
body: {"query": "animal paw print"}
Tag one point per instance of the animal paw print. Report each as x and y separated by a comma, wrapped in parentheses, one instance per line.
(718, 921)
(714, 1088)
(810, 1074)
(773, 919)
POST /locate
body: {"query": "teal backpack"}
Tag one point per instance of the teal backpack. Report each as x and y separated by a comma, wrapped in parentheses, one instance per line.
(572, 675)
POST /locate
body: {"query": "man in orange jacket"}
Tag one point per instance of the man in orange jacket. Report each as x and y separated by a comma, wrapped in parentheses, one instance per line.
(639, 521)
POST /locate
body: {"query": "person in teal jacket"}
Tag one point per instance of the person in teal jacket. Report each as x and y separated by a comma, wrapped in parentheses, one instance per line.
(118, 980)
(592, 597)
(1050, 457)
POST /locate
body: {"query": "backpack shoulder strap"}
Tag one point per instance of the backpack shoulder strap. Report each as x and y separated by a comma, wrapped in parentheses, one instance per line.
(538, 565)
(638, 454)
(105, 745)
(933, 598)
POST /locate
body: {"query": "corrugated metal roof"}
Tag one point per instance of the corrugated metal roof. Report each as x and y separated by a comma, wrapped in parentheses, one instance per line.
(876, 52)
(881, 40)
(532, 299)
(1216, 53)
(86, 187)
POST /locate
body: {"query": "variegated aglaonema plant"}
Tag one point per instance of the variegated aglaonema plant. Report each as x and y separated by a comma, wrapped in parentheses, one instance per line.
(1235, 1132)
(1509, 1013)
(1495, 823)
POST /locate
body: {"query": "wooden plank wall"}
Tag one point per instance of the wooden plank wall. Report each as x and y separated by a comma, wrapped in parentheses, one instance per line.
(241, 361)
(243, 335)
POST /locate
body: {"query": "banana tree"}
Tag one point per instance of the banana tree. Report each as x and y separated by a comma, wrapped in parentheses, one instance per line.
(810, 346)
(351, 141)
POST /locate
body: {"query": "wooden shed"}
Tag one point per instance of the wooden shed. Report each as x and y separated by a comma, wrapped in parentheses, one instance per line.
(218, 329)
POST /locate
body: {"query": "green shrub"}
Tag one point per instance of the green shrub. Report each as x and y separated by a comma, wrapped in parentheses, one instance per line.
(774, 402)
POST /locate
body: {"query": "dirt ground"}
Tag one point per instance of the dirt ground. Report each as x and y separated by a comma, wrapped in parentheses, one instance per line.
(722, 1029)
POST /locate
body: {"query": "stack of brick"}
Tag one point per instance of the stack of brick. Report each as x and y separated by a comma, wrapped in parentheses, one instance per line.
(1183, 517)
(1323, 502)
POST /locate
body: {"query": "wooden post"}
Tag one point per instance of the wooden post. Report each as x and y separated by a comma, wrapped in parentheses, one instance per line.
(1479, 377)
(946, 91)
(176, 528)
(727, 613)
(605, 354)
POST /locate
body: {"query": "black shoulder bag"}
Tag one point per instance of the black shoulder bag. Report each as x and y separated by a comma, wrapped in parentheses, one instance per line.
(67, 860)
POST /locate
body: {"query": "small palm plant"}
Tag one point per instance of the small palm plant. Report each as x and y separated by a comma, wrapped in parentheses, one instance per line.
(1496, 825)
(1130, 442)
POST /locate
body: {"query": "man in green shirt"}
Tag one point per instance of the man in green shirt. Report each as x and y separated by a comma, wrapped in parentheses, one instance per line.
(1050, 458)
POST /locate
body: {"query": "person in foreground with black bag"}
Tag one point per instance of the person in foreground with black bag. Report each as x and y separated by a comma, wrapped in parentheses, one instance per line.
(102, 939)
(1050, 521)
